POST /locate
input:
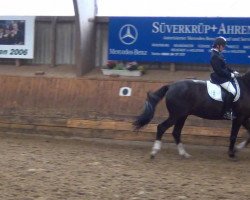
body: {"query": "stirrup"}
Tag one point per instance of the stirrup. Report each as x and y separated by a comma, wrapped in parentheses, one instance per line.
(229, 115)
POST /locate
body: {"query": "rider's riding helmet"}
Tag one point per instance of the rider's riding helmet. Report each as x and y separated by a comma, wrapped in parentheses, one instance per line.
(220, 41)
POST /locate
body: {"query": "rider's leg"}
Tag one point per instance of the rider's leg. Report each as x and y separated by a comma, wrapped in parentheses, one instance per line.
(228, 114)
(228, 106)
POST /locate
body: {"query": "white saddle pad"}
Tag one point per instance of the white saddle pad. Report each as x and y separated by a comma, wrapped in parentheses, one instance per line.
(214, 91)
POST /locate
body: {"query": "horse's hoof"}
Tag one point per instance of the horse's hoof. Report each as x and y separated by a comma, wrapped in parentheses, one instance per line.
(187, 155)
(240, 146)
(231, 154)
(234, 159)
(152, 156)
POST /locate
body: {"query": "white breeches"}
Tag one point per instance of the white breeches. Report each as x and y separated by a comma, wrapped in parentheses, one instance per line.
(229, 87)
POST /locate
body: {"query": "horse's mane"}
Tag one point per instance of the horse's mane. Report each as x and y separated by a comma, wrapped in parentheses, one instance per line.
(246, 78)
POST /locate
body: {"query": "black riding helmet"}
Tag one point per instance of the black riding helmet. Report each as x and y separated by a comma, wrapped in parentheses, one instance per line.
(220, 41)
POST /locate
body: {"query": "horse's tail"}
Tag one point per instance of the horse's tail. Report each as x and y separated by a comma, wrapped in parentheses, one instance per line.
(153, 98)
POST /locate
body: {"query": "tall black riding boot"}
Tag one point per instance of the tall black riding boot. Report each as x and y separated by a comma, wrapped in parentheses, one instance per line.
(228, 103)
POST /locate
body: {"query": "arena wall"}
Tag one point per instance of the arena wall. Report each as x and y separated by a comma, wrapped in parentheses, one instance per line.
(81, 107)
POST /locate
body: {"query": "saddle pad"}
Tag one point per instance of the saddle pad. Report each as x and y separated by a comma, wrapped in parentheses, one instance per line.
(214, 91)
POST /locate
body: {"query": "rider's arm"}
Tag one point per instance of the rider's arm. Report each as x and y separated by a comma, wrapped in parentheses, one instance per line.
(219, 66)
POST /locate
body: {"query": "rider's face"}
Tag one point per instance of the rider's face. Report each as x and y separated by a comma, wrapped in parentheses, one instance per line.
(221, 48)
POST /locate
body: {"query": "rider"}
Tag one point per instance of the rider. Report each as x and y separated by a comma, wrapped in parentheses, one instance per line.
(223, 75)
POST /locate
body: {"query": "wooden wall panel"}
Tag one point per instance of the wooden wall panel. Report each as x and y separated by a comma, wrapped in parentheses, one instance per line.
(65, 102)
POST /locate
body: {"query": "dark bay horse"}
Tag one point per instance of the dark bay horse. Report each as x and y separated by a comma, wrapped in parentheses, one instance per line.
(190, 97)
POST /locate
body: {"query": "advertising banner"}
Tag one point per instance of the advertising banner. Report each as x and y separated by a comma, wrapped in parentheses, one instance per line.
(17, 37)
(177, 39)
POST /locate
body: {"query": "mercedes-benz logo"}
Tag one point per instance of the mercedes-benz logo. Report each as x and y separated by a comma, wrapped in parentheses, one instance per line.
(128, 34)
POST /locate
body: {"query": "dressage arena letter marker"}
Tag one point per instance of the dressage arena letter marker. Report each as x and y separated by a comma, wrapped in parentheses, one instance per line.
(125, 91)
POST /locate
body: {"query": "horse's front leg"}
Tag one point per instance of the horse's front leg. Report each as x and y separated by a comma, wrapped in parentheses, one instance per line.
(244, 144)
(233, 137)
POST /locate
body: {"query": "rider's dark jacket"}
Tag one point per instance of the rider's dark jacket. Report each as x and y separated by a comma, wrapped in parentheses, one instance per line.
(221, 72)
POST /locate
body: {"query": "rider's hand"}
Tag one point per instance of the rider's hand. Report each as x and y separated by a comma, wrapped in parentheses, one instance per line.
(236, 74)
(232, 75)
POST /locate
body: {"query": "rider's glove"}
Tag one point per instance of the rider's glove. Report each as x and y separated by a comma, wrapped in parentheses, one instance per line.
(236, 74)
(232, 75)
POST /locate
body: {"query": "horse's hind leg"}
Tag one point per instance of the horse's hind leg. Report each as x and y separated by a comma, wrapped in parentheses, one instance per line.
(177, 136)
(161, 128)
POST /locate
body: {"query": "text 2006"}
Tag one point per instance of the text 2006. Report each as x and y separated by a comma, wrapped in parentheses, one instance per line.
(18, 51)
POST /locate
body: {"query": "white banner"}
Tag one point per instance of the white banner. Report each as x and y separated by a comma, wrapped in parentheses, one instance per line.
(17, 37)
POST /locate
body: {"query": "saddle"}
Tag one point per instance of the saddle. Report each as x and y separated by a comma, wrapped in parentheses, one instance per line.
(217, 93)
